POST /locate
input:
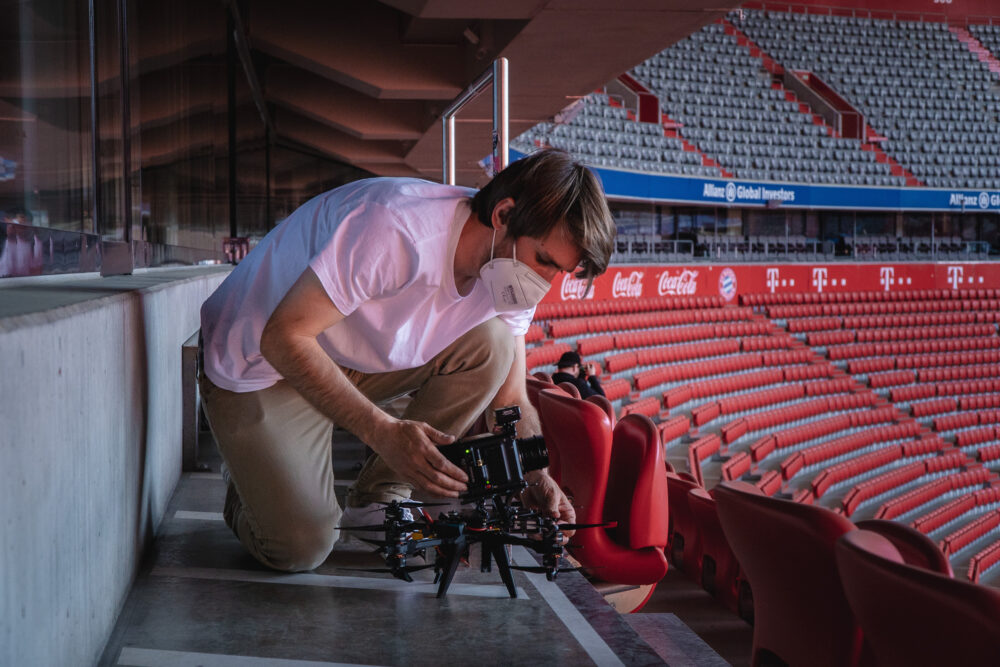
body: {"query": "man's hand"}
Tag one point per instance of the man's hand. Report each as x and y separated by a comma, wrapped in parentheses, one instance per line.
(410, 449)
(545, 495)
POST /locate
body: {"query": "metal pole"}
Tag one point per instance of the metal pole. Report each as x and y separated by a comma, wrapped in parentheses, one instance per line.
(501, 116)
(96, 209)
(448, 148)
(501, 120)
(123, 72)
(231, 59)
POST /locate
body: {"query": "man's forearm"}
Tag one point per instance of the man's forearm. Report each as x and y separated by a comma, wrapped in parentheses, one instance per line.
(308, 369)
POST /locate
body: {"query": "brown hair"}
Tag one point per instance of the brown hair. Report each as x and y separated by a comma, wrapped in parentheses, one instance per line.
(547, 187)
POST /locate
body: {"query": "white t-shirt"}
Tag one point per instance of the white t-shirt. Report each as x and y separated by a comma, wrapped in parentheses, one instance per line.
(384, 250)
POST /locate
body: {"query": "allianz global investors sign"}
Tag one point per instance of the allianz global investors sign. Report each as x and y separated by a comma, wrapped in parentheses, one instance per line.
(747, 193)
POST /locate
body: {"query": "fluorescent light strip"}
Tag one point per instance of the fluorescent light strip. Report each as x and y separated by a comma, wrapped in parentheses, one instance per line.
(334, 581)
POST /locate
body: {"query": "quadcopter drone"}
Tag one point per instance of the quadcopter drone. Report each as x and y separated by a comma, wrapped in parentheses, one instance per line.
(495, 464)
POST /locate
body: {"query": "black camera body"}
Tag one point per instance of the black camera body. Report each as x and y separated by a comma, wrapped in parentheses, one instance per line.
(496, 462)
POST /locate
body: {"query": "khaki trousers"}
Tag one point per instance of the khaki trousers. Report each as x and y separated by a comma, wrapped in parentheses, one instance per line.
(280, 502)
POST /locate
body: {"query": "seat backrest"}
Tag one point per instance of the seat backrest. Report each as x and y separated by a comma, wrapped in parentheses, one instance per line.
(912, 616)
(720, 579)
(685, 549)
(534, 387)
(570, 389)
(916, 548)
(637, 485)
(581, 433)
(605, 405)
(542, 376)
(786, 552)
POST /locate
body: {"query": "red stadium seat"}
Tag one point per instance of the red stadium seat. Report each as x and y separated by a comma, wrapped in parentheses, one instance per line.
(603, 403)
(915, 548)
(611, 477)
(570, 389)
(720, 572)
(911, 616)
(786, 552)
(685, 547)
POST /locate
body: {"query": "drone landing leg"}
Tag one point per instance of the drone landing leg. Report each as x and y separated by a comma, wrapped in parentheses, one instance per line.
(451, 558)
(503, 566)
(487, 563)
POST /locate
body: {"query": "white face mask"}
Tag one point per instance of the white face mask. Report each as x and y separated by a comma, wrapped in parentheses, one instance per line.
(515, 286)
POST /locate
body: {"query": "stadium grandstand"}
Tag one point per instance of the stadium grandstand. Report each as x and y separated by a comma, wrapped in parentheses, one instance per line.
(796, 459)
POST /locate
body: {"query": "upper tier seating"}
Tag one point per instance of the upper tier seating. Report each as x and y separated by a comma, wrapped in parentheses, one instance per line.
(931, 104)
(915, 83)
(730, 111)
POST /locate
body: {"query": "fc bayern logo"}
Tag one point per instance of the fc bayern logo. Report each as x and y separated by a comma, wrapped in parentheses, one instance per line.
(730, 191)
(727, 284)
(984, 200)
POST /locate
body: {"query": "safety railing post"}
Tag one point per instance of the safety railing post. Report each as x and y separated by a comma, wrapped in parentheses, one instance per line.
(497, 75)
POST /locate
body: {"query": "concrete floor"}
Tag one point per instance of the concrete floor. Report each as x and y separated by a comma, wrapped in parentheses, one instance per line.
(201, 600)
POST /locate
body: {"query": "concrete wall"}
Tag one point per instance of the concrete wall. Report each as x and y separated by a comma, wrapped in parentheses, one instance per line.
(90, 453)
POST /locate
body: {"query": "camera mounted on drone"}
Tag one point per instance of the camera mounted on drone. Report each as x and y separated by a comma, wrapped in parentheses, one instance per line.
(495, 464)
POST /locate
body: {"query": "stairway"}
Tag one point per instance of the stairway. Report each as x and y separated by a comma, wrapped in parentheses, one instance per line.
(976, 47)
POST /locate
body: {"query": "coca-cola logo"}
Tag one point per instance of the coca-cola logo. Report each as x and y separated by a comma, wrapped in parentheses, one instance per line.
(685, 282)
(575, 288)
(627, 287)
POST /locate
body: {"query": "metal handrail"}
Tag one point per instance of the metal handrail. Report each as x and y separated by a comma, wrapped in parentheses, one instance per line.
(497, 75)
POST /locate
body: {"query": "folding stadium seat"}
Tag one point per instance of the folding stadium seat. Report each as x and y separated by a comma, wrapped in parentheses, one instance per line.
(611, 475)
(720, 572)
(914, 547)
(685, 540)
(900, 606)
(603, 403)
(786, 552)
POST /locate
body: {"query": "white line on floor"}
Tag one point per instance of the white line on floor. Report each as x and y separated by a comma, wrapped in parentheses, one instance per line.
(334, 581)
(148, 657)
(589, 640)
(198, 516)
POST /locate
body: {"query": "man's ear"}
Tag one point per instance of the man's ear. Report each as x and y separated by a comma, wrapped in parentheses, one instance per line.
(501, 213)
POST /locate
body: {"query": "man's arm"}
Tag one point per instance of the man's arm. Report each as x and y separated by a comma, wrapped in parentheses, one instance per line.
(543, 492)
(289, 344)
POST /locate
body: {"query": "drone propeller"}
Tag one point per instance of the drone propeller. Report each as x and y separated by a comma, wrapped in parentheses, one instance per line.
(411, 504)
(580, 526)
(380, 527)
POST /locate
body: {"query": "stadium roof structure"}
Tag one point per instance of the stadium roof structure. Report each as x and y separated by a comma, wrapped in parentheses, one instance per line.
(366, 83)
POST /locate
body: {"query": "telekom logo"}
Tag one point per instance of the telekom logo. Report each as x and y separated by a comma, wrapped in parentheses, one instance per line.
(574, 288)
(819, 279)
(772, 279)
(630, 287)
(955, 274)
(886, 275)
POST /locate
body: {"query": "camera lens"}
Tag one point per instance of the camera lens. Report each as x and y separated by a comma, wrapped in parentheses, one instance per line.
(534, 454)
